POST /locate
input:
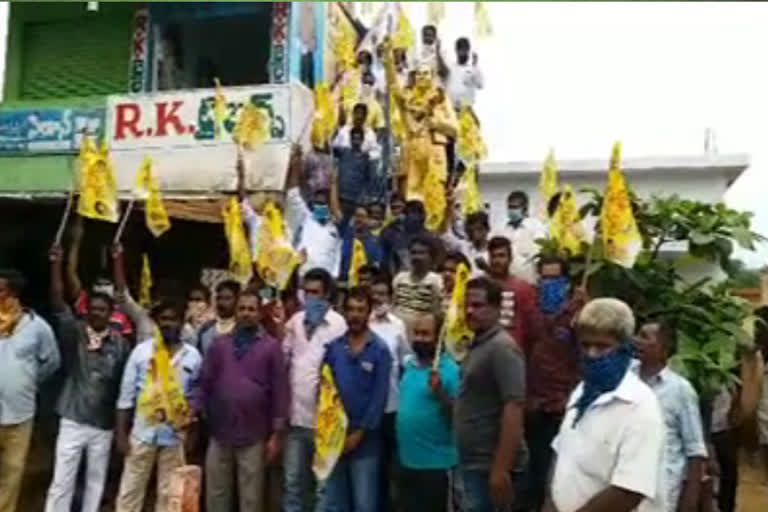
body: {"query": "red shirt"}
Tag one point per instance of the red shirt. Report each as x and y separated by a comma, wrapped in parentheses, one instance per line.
(518, 311)
(554, 361)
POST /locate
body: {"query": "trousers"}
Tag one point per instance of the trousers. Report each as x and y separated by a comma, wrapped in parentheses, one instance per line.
(137, 470)
(224, 464)
(14, 445)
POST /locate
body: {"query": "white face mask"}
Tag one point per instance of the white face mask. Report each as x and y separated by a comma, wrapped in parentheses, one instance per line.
(381, 309)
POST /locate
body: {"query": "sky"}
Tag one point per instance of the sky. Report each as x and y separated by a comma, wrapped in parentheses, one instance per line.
(578, 76)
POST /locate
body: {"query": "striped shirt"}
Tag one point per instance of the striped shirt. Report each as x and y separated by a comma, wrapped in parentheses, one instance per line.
(413, 298)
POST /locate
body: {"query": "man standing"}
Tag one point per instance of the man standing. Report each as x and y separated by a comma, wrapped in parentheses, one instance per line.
(244, 396)
(307, 334)
(94, 357)
(359, 230)
(224, 323)
(489, 410)
(419, 290)
(361, 366)
(464, 77)
(553, 370)
(392, 331)
(522, 231)
(28, 356)
(610, 445)
(685, 453)
(518, 306)
(426, 447)
(396, 238)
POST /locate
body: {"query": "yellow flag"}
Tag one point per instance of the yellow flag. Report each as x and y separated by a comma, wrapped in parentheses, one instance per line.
(219, 109)
(331, 430)
(482, 21)
(253, 127)
(239, 252)
(565, 225)
(359, 259)
(147, 188)
(548, 183)
(470, 146)
(350, 90)
(471, 200)
(457, 332)
(434, 199)
(325, 117)
(403, 36)
(343, 42)
(98, 188)
(276, 259)
(435, 12)
(621, 238)
(145, 284)
(162, 399)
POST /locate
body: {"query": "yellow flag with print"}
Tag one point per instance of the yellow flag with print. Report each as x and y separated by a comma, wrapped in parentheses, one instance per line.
(98, 188)
(145, 283)
(359, 259)
(325, 116)
(331, 430)
(239, 252)
(471, 201)
(276, 259)
(548, 183)
(470, 146)
(434, 199)
(457, 332)
(162, 400)
(219, 109)
(147, 188)
(253, 127)
(403, 36)
(621, 238)
(565, 225)
(482, 21)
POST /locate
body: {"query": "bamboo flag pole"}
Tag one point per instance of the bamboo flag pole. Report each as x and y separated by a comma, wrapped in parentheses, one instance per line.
(64, 218)
(123, 222)
(585, 277)
(439, 349)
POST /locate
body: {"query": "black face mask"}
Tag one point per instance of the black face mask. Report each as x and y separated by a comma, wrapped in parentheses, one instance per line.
(424, 350)
(170, 334)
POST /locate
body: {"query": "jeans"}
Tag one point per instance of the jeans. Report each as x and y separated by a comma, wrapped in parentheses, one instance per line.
(354, 485)
(298, 450)
(477, 492)
(74, 439)
(540, 429)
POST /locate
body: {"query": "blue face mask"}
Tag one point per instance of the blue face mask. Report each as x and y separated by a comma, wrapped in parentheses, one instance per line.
(553, 294)
(321, 213)
(603, 374)
(515, 215)
(314, 312)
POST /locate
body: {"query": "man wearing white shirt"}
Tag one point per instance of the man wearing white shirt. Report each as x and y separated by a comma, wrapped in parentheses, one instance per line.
(306, 335)
(429, 49)
(464, 77)
(609, 450)
(392, 331)
(315, 234)
(522, 231)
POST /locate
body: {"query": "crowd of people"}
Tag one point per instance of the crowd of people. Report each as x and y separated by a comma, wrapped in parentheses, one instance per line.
(558, 403)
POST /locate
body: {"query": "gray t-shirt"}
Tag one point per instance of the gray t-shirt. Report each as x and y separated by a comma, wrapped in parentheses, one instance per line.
(493, 375)
(92, 376)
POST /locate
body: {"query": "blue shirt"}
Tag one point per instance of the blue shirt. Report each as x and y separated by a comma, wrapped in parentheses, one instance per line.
(187, 363)
(373, 251)
(363, 384)
(424, 435)
(27, 357)
(682, 422)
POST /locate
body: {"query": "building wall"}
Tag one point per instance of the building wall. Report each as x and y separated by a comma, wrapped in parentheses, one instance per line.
(60, 50)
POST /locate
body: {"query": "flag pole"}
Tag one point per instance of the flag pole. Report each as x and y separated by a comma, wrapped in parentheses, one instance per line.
(439, 349)
(123, 222)
(64, 218)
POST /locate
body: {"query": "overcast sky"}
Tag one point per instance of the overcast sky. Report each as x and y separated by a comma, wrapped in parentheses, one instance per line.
(577, 76)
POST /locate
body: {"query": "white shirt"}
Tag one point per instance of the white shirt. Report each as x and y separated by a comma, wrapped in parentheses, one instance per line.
(321, 242)
(392, 330)
(524, 247)
(305, 356)
(462, 83)
(464, 246)
(619, 441)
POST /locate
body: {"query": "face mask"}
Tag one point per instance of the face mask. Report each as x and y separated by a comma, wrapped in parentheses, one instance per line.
(424, 350)
(553, 293)
(10, 313)
(381, 310)
(320, 213)
(170, 334)
(314, 311)
(413, 223)
(602, 374)
(515, 215)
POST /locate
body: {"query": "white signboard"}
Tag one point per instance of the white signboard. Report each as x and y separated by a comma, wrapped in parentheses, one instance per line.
(177, 130)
